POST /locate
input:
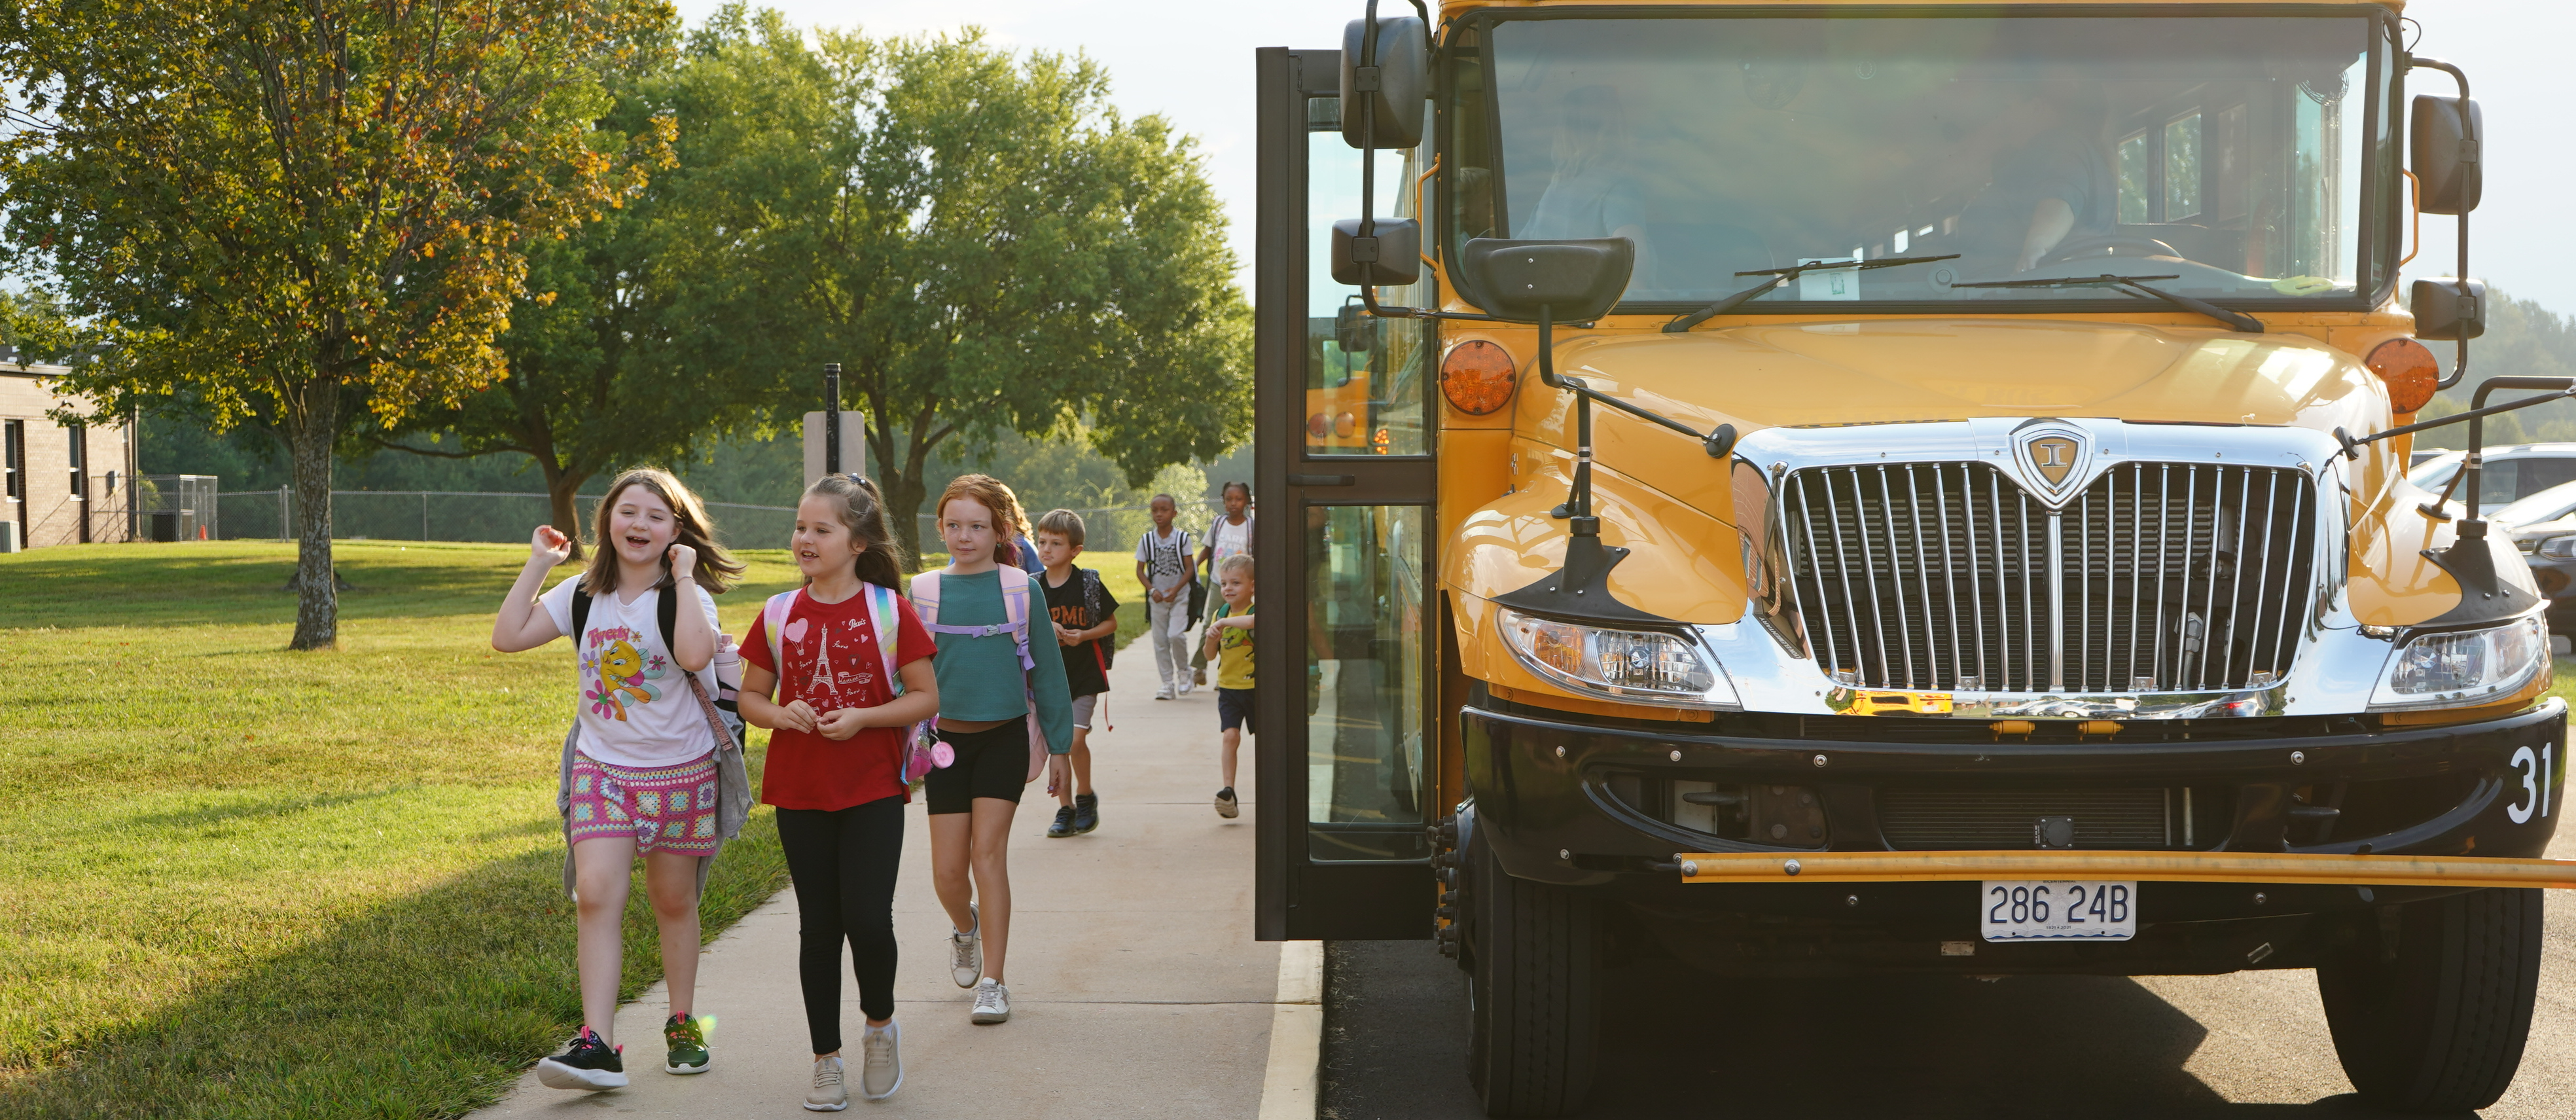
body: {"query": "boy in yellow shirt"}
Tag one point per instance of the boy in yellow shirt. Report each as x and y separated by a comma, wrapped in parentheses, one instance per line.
(1229, 641)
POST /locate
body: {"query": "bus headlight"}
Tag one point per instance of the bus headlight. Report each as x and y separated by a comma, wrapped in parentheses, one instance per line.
(2462, 668)
(1632, 665)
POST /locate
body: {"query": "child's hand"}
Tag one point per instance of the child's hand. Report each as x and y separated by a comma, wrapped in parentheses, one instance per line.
(549, 545)
(842, 723)
(1064, 637)
(683, 560)
(800, 716)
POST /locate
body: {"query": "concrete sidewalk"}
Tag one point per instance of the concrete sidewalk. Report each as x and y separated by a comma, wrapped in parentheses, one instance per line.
(1136, 986)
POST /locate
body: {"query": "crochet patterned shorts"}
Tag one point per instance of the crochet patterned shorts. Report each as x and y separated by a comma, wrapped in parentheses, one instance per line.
(662, 808)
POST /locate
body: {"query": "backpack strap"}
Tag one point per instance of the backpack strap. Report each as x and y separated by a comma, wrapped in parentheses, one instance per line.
(1015, 610)
(887, 621)
(773, 618)
(580, 613)
(1015, 607)
(666, 612)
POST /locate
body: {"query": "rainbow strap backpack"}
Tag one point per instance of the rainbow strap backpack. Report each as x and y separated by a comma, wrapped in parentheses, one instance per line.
(921, 751)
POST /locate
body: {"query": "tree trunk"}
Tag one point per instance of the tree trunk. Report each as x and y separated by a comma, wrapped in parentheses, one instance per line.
(561, 484)
(312, 426)
(903, 497)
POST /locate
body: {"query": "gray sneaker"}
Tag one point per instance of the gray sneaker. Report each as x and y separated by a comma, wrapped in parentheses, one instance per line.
(880, 1061)
(1226, 805)
(828, 1094)
(992, 1002)
(966, 951)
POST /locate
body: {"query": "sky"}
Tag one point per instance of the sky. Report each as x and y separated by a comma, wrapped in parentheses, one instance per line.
(1192, 63)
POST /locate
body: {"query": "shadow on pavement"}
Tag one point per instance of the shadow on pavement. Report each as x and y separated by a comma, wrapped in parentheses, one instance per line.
(1879, 1048)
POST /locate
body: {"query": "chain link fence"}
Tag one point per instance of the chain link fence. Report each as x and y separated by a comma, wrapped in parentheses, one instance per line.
(504, 518)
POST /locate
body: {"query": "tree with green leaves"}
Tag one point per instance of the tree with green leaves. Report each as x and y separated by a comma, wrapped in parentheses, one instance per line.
(980, 240)
(319, 204)
(604, 370)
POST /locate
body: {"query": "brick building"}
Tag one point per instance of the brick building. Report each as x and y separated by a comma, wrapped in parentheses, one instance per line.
(65, 485)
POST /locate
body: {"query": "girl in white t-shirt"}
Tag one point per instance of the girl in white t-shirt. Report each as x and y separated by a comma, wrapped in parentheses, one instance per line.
(643, 775)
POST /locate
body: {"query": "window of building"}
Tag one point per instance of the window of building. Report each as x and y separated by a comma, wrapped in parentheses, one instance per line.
(80, 461)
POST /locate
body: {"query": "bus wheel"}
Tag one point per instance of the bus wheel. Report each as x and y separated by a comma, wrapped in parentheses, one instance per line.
(1532, 1019)
(2430, 1009)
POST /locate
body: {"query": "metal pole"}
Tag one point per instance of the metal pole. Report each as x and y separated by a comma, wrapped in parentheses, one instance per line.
(832, 418)
(424, 515)
(285, 527)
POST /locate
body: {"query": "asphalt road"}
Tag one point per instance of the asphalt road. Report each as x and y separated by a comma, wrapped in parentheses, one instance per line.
(2251, 1045)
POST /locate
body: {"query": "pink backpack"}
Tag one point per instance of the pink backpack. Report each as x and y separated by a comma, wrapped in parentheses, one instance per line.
(920, 753)
(1015, 609)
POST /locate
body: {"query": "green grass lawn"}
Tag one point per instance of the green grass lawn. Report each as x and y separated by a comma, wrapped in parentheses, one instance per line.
(243, 882)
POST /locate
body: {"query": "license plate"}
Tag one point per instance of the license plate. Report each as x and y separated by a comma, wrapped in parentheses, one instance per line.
(2058, 910)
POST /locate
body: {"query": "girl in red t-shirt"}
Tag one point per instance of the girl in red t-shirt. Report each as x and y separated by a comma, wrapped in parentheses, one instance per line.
(835, 766)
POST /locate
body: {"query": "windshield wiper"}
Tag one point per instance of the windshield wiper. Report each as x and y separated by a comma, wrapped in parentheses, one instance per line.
(1780, 278)
(2235, 319)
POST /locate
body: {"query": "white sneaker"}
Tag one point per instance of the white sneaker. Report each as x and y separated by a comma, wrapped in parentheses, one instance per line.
(1226, 805)
(1165, 694)
(992, 1002)
(880, 1061)
(828, 1094)
(966, 952)
(1184, 688)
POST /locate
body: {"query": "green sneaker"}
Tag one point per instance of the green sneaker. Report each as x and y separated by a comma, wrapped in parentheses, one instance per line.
(687, 1038)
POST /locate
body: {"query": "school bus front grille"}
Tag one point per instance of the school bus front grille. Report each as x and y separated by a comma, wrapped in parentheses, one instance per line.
(2158, 577)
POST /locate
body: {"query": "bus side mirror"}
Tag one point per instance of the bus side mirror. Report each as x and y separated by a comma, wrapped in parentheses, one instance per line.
(2441, 312)
(1574, 281)
(1396, 251)
(1398, 81)
(2444, 161)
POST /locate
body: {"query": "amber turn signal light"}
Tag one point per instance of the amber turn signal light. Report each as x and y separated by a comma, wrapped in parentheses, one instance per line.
(2408, 369)
(1477, 377)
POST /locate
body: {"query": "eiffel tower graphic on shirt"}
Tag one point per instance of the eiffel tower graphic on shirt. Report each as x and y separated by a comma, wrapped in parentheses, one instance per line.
(823, 664)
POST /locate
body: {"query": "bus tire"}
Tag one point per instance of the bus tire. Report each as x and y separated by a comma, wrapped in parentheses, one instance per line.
(2436, 1022)
(1533, 1020)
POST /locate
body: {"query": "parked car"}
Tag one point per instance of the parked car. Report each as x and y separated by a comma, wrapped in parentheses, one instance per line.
(2543, 528)
(2511, 473)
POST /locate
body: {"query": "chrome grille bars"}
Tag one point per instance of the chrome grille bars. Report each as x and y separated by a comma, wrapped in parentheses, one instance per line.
(2159, 577)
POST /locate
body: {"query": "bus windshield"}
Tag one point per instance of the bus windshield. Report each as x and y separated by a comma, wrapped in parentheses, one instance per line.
(2227, 157)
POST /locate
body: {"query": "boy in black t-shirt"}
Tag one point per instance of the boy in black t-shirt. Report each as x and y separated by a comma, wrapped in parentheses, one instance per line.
(1085, 620)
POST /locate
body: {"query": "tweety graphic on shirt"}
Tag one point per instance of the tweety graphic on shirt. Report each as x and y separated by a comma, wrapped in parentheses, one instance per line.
(621, 673)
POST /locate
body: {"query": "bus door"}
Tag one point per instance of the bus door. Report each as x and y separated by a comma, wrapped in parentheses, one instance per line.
(1346, 734)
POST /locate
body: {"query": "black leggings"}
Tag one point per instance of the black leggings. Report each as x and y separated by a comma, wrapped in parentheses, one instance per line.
(843, 862)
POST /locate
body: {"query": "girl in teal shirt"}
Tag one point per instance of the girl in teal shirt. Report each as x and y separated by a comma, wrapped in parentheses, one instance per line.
(989, 684)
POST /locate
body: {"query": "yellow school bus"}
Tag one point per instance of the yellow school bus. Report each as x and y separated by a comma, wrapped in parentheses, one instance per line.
(1890, 487)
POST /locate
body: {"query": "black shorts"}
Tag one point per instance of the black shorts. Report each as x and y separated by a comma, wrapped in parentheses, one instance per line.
(1233, 708)
(993, 762)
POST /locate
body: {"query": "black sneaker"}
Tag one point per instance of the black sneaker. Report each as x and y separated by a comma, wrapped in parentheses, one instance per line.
(687, 1040)
(1086, 812)
(587, 1064)
(1063, 825)
(1225, 803)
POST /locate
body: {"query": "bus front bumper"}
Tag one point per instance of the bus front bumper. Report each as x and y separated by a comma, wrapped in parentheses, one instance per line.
(1549, 798)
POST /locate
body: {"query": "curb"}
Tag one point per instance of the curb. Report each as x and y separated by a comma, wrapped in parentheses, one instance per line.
(1296, 1034)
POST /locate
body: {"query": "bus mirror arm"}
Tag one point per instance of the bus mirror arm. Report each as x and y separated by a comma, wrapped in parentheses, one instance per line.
(1578, 503)
(2471, 528)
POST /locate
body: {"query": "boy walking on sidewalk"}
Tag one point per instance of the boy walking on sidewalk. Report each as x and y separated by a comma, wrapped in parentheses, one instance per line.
(1086, 620)
(1229, 640)
(1163, 567)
